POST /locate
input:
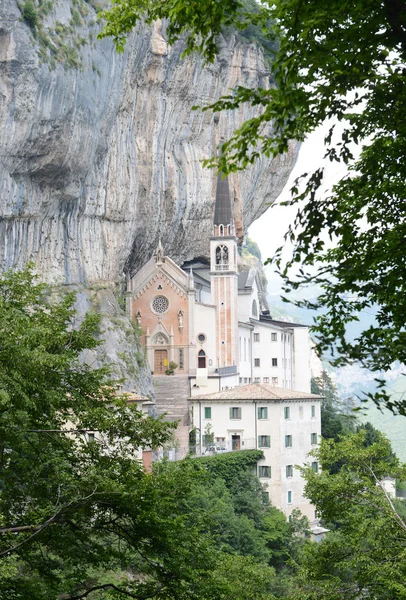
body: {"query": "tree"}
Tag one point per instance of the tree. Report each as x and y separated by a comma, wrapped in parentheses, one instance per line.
(364, 553)
(58, 487)
(341, 63)
(333, 422)
(79, 516)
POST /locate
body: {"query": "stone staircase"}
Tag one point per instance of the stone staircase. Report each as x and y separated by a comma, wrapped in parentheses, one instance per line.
(171, 397)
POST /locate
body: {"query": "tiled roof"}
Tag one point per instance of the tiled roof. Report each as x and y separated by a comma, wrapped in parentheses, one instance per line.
(258, 391)
(264, 319)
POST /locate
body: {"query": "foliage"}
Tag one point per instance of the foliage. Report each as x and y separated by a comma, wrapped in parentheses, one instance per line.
(79, 517)
(341, 63)
(30, 14)
(72, 504)
(229, 465)
(334, 423)
(364, 554)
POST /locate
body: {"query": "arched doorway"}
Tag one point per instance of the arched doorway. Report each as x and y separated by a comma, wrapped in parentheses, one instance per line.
(201, 360)
(160, 361)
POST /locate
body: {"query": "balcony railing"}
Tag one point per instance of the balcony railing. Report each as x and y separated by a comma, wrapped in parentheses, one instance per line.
(222, 267)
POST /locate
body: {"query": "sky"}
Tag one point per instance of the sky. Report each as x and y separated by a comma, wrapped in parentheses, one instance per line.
(269, 229)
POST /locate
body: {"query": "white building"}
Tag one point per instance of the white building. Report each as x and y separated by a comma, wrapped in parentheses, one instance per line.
(284, 424)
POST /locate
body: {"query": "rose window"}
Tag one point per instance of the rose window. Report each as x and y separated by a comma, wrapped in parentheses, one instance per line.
(160, 304)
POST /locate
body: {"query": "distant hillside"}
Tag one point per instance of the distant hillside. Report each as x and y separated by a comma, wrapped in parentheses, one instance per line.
(393, 426)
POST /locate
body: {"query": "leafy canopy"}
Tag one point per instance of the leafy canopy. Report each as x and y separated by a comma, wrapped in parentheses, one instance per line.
(337, 62)
(79, 517)
(364, 553)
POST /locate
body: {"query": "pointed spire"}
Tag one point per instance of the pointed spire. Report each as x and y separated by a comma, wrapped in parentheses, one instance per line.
(223, 214)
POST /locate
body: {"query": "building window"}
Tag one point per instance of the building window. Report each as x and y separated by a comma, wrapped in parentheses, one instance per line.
(313, 438)
(235, 412)
(274, 337)
(254, 308)
(266, 379)
(313, 412)
(286, 412)
(315, 466)
(180, 357)
(300, 412)
(221, 257)
(256, 337)
(245, 379)
(289, 470)
(289, 497)
(160, 304)
(274, 362)
(207, 412)
(240, 380)
(201, 359)
(264, 441)
(264, 471)
(201, 338)
(91, 437)
(288, 441)
(257, 380)
(274, 381)
(257, 362)
(263, 412)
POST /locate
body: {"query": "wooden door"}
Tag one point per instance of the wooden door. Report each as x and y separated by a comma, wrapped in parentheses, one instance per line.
(235, 442)
(160, 361)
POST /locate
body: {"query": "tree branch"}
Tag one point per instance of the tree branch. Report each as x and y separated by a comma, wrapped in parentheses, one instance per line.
(106, 586)
(389, 501)
(40, 527)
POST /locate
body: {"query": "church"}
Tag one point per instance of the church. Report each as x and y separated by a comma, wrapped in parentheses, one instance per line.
(230, 375)
(213, 322)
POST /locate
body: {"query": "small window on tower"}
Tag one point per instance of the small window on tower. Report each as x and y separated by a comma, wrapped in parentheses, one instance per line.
(254, 309)
(221, 255)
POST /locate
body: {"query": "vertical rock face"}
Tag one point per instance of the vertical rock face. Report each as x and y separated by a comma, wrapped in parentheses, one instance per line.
(99, 160)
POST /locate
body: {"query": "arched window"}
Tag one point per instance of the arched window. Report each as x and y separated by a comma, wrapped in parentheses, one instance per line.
(201, 359)
(221, 229)
(254, 308)
(221, 255)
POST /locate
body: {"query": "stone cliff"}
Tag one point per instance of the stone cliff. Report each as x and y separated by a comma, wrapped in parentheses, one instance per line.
(100, 153)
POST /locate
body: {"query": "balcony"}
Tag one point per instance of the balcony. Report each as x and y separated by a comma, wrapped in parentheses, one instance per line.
(232, 370)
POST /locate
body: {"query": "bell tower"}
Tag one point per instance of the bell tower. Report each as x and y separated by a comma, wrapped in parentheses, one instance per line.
(224, 277)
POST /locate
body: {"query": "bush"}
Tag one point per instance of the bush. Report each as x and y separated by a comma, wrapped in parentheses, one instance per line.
(30, 14)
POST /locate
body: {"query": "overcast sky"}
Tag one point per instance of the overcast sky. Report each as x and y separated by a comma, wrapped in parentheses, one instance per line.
(269, 229)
